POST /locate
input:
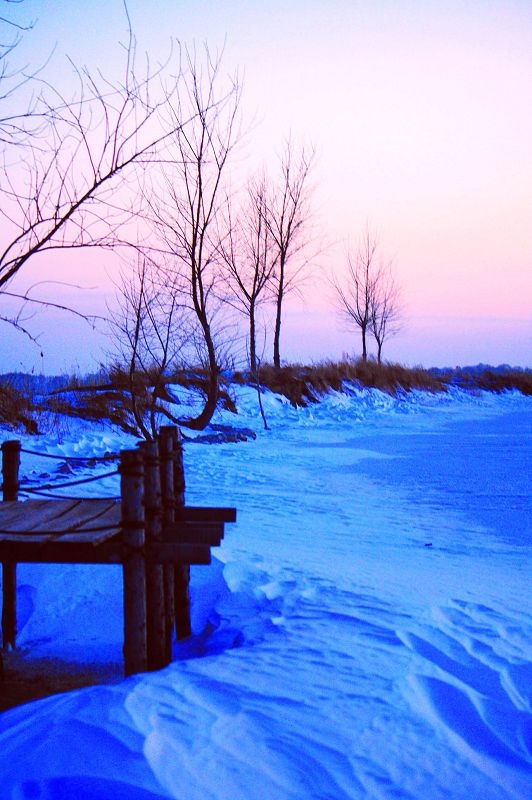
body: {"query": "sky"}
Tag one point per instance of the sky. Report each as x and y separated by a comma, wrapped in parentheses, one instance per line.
(421, 117)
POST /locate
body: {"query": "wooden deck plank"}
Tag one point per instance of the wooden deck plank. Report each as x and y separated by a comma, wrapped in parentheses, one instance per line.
(31, 537)
(94, 537)
(53, 516)
(93, 512)
(33, 514)
(11, 510)
(89, 537)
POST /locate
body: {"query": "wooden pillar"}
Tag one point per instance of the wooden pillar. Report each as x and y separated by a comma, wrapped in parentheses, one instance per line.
(181, 571)
(155, 602)
(166, 447)
(10, 469)
(134, 563)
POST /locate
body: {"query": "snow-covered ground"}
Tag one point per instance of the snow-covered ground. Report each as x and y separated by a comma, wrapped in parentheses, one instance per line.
(364, 632)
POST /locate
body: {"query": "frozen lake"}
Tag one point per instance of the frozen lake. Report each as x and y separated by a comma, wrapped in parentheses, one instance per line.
(366, 632)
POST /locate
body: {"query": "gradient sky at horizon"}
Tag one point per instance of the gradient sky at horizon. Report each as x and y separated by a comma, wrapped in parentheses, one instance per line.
(421, 114)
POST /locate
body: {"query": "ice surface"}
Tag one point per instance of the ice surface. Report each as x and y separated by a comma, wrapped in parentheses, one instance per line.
(364, 632)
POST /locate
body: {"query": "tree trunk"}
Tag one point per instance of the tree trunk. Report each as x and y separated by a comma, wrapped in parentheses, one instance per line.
(277, 334)
(379, 351)
(202, 420)
(252, 341)
(364, 347)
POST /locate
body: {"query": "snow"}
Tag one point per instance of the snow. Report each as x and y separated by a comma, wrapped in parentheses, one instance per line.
(365, 630)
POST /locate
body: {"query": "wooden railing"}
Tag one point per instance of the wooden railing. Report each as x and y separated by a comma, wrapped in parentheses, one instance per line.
(149, 531)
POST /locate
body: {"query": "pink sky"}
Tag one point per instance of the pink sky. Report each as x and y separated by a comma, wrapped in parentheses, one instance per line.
(421, 113)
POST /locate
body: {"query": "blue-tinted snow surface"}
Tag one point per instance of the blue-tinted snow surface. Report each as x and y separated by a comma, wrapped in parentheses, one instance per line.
(365, 633)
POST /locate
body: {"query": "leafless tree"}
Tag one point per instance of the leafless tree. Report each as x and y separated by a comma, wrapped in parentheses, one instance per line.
(385, 309)
(69, 183)
(186, 200)
(367, 297)
(249, 258)
(150, 332)
(288, 220)
(355, 293)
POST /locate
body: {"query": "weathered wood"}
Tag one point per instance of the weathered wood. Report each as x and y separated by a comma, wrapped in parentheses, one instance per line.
(38, 517)
(169, 553)
(181, 571)
(155, 605)
(60, 515)
(148, 532)
(200, 514)
(194, 533)
(87, 536)
(10, 470)
(111, 552)
(93, 521)
(53, 551)
(166, 466)
(86, 514)
(134, 565)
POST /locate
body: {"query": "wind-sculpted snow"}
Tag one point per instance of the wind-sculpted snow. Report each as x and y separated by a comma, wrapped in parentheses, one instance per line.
(364, 633)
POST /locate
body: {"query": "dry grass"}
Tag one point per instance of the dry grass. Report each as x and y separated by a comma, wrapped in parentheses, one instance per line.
(16, 408)
(304, 384)
(491, 380)
(106, 396)
(112, 395)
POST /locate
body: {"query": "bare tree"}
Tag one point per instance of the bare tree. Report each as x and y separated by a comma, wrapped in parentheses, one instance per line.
(150, 332)
(67, 183)
(186, 200)
(385, 309)
(355, 294)
(247, 253)
(367, 297)
(288, 219)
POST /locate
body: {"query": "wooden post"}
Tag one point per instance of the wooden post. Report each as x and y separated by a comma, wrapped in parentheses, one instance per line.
(134, 563)
(181, 571)
(10, 469)
(167, 494)
(155, 603)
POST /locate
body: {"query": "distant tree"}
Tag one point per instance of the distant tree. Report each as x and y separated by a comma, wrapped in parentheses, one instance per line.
(249, 259)
(385, 309)
(367, 296)
(186, 199)
(356, 292)
(289, 216)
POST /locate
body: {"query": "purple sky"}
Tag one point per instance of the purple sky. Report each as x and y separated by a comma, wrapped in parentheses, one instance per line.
(421, 114)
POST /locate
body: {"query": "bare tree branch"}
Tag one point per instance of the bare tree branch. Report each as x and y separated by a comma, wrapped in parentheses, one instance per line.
(84, 156)
(186, 198)
(288, 218)
(367, 296)
(249, 258)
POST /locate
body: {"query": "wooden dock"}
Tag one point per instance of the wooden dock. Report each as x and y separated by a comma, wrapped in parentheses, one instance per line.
(149, 531)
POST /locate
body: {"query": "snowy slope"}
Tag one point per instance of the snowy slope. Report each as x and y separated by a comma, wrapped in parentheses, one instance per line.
(365, 632)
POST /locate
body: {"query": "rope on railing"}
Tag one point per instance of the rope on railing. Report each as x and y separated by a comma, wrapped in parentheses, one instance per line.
(81, 459)
(39, 493)
(23, 488)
